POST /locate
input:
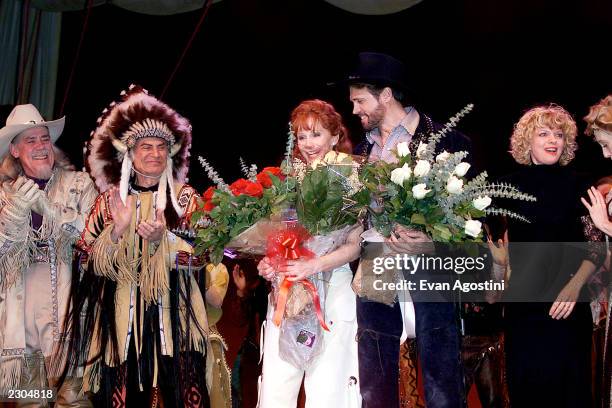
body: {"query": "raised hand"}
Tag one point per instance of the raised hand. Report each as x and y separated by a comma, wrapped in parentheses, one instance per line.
(598, 210)
(153, 231)
(121, 213)
(26, 191)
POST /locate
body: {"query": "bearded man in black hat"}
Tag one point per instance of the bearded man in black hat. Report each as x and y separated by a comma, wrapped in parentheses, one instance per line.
(378, 88)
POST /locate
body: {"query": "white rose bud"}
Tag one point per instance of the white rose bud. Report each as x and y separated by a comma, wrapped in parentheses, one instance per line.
(481, 203)
(442, 156)
(422, 168)
(462, 168)
(454, 185)
(420, 191)
(473, 228)
(401, 174)
(402, 149)
(421, 149)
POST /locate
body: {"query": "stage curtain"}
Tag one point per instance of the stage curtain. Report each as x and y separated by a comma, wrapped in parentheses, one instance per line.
(30, 39)
(165, 7)
(29, 49)
(156, 7)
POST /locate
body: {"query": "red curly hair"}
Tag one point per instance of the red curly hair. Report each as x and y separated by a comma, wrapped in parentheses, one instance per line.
(313, 111)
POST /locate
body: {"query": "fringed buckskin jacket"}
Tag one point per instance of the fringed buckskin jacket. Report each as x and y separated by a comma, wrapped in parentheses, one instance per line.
(127, 282)
(71, 195)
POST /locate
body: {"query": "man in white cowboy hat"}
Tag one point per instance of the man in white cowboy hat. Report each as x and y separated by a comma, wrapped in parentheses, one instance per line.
(43, 204)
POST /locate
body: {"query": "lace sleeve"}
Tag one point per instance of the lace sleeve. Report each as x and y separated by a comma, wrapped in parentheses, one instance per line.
(596, 251)
(591, 232)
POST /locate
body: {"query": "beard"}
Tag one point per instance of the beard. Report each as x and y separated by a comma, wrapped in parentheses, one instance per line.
(375, 118)
(44, 172)
(40, 169)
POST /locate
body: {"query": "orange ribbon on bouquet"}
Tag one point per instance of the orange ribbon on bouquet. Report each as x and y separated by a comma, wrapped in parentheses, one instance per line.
(292, 249)
(286, 244)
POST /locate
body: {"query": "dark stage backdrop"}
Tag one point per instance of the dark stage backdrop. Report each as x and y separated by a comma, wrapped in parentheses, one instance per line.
(255, 60)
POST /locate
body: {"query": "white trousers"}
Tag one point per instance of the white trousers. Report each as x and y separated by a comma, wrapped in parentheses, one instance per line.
(332, 380)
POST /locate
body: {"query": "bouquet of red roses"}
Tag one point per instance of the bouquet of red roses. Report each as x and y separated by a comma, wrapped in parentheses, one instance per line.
(230, 210)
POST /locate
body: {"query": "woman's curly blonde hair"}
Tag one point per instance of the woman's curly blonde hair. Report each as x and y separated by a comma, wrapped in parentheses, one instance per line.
(551, 116)
(600, 116)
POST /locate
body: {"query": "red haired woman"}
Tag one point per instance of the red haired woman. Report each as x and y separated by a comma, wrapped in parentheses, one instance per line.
(331, 380)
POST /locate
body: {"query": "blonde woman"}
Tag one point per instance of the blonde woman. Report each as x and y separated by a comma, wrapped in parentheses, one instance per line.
(548, 339)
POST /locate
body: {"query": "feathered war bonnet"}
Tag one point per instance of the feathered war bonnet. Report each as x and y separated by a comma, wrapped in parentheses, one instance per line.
(138, 115)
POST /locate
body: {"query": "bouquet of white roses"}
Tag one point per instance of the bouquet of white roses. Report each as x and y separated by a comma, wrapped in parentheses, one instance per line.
(432, 193)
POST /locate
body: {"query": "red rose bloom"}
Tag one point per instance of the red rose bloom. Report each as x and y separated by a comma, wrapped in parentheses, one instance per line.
(208, 194)
(207, 197)
(242, 186)
(264, 176)
(253, 189)
(208, 206)
(237, 187)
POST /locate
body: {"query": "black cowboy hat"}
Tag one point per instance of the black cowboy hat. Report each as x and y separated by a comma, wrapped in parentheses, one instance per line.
(379, 69)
